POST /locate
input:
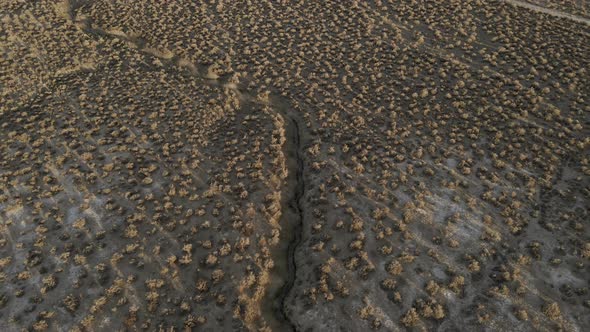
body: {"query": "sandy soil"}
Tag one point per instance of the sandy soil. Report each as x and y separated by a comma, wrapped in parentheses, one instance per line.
(575, 7)
(550, 11)
(305, 166)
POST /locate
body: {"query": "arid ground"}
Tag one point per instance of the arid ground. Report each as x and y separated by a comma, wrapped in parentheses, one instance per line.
(294, 165)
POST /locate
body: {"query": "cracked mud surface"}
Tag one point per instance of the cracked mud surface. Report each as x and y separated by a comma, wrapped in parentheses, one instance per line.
(305, 166)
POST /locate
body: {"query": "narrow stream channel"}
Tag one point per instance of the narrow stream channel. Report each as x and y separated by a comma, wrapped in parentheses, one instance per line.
(295, 213)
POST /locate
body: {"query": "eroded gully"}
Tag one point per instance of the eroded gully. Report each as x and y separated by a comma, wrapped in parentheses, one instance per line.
(273, 308)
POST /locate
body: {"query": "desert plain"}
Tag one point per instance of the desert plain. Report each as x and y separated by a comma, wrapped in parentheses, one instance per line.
(244, 165)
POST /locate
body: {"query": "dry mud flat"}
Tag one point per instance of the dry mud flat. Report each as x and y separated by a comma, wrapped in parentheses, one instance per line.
(279, 165)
